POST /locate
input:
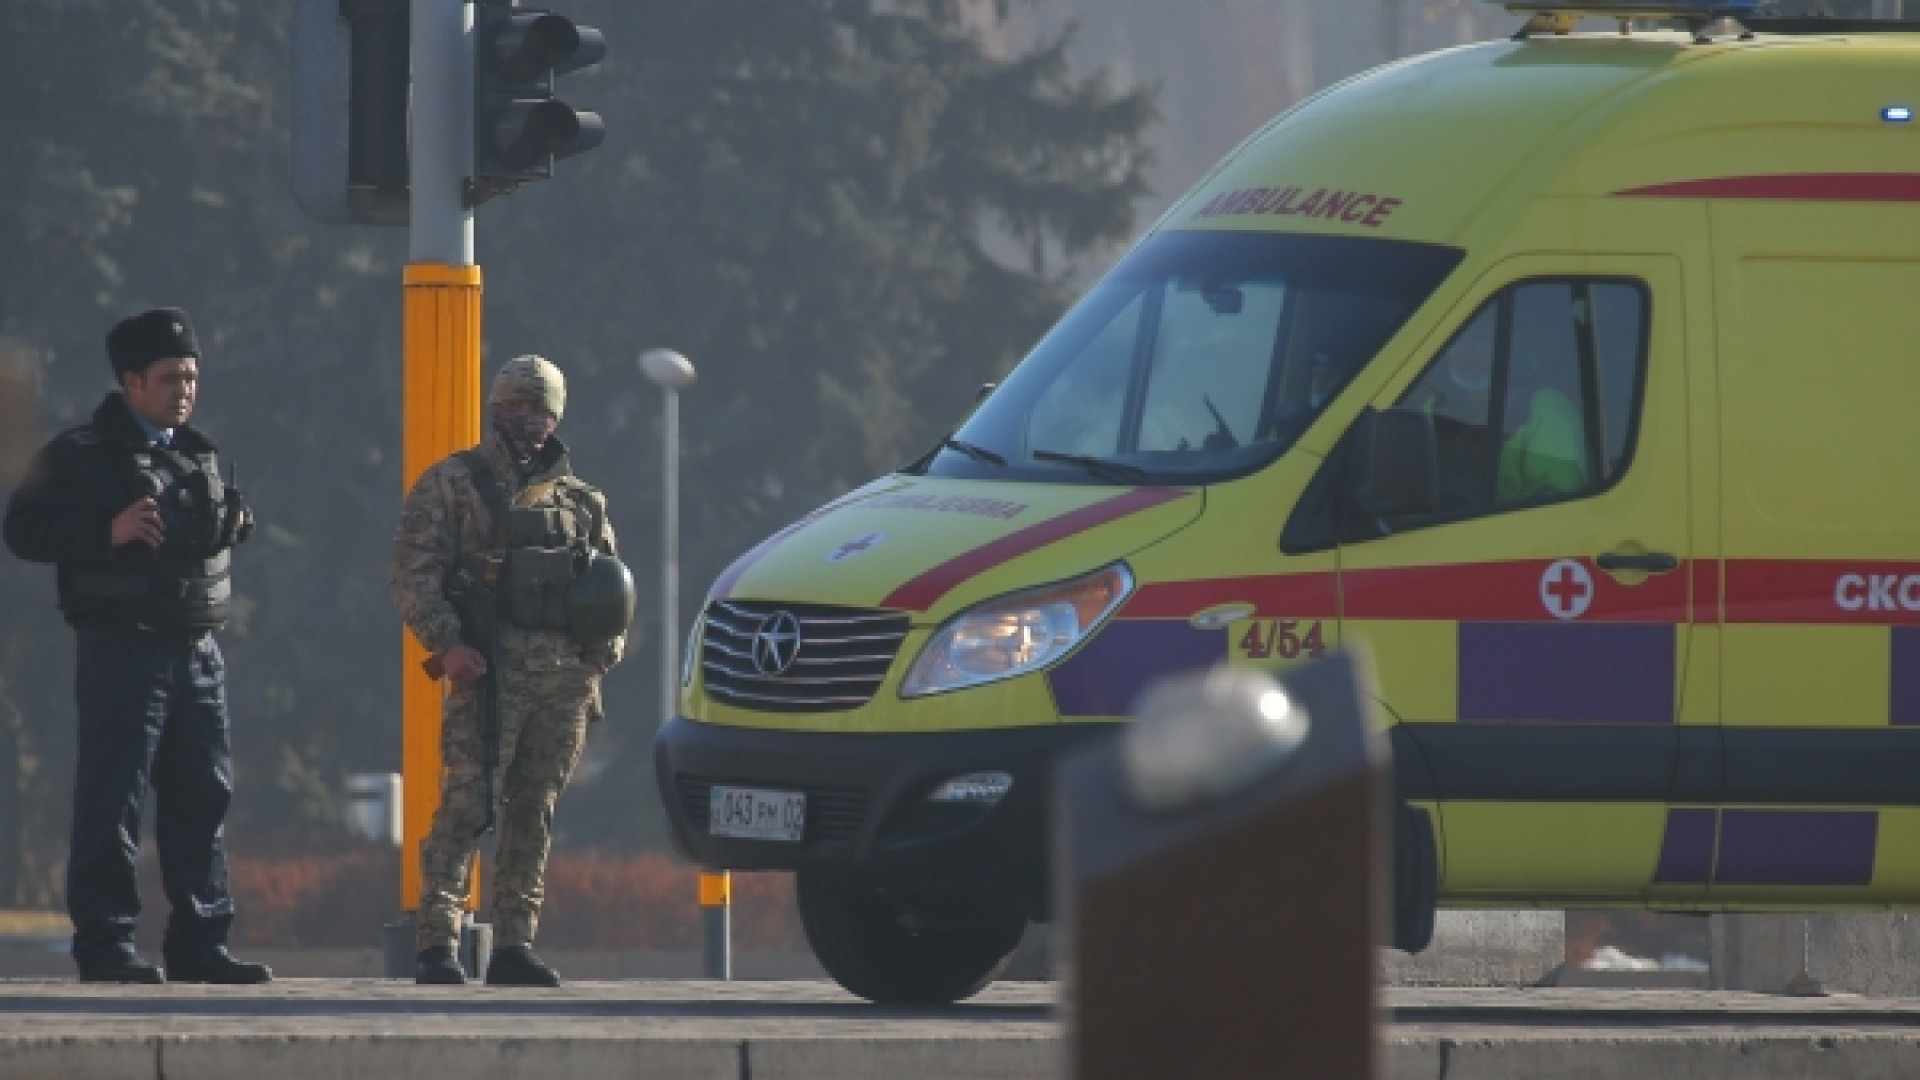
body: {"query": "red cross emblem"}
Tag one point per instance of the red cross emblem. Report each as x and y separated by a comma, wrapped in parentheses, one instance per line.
(1566, 589)
(855, 547)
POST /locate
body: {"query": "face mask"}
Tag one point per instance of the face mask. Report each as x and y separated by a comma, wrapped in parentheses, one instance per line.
(525, 433)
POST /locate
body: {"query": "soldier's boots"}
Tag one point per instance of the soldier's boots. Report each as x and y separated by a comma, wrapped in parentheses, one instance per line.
(437, 966)
(515, 965)
(216, 965)
(120, 967)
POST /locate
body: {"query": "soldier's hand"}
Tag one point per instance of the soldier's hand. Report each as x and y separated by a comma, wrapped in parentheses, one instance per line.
(463, 664)
(141, 522)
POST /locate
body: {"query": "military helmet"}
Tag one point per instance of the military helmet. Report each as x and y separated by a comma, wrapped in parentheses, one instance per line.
(532, 379)
(600, 601)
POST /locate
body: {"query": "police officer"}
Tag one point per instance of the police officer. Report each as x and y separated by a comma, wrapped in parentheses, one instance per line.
(132, 511)
(503, 568)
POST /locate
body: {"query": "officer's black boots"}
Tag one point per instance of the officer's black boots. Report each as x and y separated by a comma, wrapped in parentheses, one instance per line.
(123, 967)
(216, 965)
(515, 965)
(437, 966)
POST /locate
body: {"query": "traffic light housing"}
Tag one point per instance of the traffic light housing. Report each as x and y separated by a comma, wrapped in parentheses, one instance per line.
(520, 127)
(350, 82)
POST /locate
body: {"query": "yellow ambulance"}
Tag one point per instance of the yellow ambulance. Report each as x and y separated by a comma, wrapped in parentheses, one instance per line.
(1578, 375)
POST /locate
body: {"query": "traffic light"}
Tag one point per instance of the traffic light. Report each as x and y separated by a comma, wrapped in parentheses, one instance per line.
(350, 83)
(520, 127)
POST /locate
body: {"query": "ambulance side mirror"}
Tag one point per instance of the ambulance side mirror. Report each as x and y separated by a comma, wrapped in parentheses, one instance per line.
(1395, 471)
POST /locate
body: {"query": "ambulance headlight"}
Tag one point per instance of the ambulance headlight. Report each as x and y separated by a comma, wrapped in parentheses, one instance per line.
(1016, 634)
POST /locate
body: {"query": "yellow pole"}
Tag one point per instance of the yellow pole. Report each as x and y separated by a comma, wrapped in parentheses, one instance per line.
(441, 415)
(716, 924)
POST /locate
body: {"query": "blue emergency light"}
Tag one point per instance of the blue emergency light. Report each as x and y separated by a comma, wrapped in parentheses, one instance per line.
(1897, 114)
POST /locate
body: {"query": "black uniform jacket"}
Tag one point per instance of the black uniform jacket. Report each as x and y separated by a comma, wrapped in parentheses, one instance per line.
(63, 514)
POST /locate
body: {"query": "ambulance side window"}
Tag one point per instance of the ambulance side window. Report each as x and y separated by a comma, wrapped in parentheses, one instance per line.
(1535, 399)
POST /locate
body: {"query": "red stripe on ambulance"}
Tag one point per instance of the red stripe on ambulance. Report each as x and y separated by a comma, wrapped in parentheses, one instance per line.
(1823, 591)
(926, 590)
(1802, 187)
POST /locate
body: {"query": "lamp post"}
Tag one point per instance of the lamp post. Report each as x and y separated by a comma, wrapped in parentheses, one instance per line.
(672, 373)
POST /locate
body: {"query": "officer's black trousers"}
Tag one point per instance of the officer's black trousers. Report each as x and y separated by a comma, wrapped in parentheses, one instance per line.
(153, 712)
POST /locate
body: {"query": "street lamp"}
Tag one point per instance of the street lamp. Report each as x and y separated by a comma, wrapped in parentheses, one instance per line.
(672, 373)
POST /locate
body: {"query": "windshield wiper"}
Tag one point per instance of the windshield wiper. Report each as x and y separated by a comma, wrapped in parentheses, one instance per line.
(977, 453)
(1118, 471)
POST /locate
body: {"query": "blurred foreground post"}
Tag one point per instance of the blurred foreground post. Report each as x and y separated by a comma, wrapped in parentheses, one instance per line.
(1220, 869)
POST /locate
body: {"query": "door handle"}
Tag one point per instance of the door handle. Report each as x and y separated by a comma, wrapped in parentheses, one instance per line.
(1652, 562)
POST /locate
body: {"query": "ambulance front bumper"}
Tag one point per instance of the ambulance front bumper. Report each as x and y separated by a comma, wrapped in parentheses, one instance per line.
(866, 807)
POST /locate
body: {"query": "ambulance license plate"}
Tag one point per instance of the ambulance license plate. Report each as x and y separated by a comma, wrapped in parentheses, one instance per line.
(756, 814)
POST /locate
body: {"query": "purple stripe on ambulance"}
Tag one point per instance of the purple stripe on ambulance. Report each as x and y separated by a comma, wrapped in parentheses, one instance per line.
(1615, 673)
(1686, 853)
(1904, 700)
(1797, 847)
(1108, 673)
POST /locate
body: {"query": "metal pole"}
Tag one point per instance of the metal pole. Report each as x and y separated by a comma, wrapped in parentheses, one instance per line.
(670, 558)
(672, 373)
(441, 413)
(442, 156)
(716, 922)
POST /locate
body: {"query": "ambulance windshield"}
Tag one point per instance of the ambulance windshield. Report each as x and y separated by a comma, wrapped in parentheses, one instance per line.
(1201, 357)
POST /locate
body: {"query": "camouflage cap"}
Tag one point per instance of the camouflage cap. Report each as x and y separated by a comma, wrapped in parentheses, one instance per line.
(531, 378)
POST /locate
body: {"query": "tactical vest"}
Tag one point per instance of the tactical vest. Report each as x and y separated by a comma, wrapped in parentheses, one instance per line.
(543, 539)
(185, 585)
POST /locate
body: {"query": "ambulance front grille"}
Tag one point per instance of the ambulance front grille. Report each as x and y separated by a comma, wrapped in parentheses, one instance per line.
(838, 662)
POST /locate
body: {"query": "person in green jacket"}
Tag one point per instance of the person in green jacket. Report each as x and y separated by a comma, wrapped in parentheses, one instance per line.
(1546, 456)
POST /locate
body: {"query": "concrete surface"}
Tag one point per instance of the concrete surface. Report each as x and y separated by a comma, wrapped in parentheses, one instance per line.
(376, 1029)
(1483, 948)
(49, 961)
(1876, 954)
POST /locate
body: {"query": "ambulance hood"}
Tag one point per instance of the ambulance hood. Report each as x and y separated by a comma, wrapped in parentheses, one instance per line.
(931, 546)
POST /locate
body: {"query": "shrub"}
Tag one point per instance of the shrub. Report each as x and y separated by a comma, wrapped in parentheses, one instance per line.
(594, 901)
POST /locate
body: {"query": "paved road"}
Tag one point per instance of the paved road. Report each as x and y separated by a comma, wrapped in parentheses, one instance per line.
(368, 1029)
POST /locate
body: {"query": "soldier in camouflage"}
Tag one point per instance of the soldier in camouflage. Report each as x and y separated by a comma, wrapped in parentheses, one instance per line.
(510, 516)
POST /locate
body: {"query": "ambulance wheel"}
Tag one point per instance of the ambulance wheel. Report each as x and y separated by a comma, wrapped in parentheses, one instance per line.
(1416, 879)
(894, 954)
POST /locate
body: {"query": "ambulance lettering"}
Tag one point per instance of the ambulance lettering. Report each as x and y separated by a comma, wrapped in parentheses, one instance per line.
(1364, 208)
(1877, 592)
(1288, 639)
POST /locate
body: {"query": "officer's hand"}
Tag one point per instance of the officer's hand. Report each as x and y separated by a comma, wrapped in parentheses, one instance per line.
(463, 664)
(141, 522)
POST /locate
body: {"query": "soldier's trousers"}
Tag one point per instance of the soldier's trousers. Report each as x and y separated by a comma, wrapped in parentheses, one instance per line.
(543, 722)
(153, 713)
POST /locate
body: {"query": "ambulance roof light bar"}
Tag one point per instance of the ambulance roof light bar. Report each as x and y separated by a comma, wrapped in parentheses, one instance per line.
(1560, 16)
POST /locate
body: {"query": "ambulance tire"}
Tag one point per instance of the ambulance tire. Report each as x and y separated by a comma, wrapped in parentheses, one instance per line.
(1416, 879)
(880, 950)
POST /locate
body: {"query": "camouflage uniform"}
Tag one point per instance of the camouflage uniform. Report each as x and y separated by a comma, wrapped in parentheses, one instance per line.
(548, 691)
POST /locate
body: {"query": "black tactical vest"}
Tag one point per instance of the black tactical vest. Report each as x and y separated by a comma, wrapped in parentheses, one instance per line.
(540, 549)
(185, 585)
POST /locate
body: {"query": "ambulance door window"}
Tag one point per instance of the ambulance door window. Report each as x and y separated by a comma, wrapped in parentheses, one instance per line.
(1534, 401)
(1455, 391)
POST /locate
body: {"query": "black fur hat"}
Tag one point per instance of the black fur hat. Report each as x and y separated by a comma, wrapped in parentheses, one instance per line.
(136, 341)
